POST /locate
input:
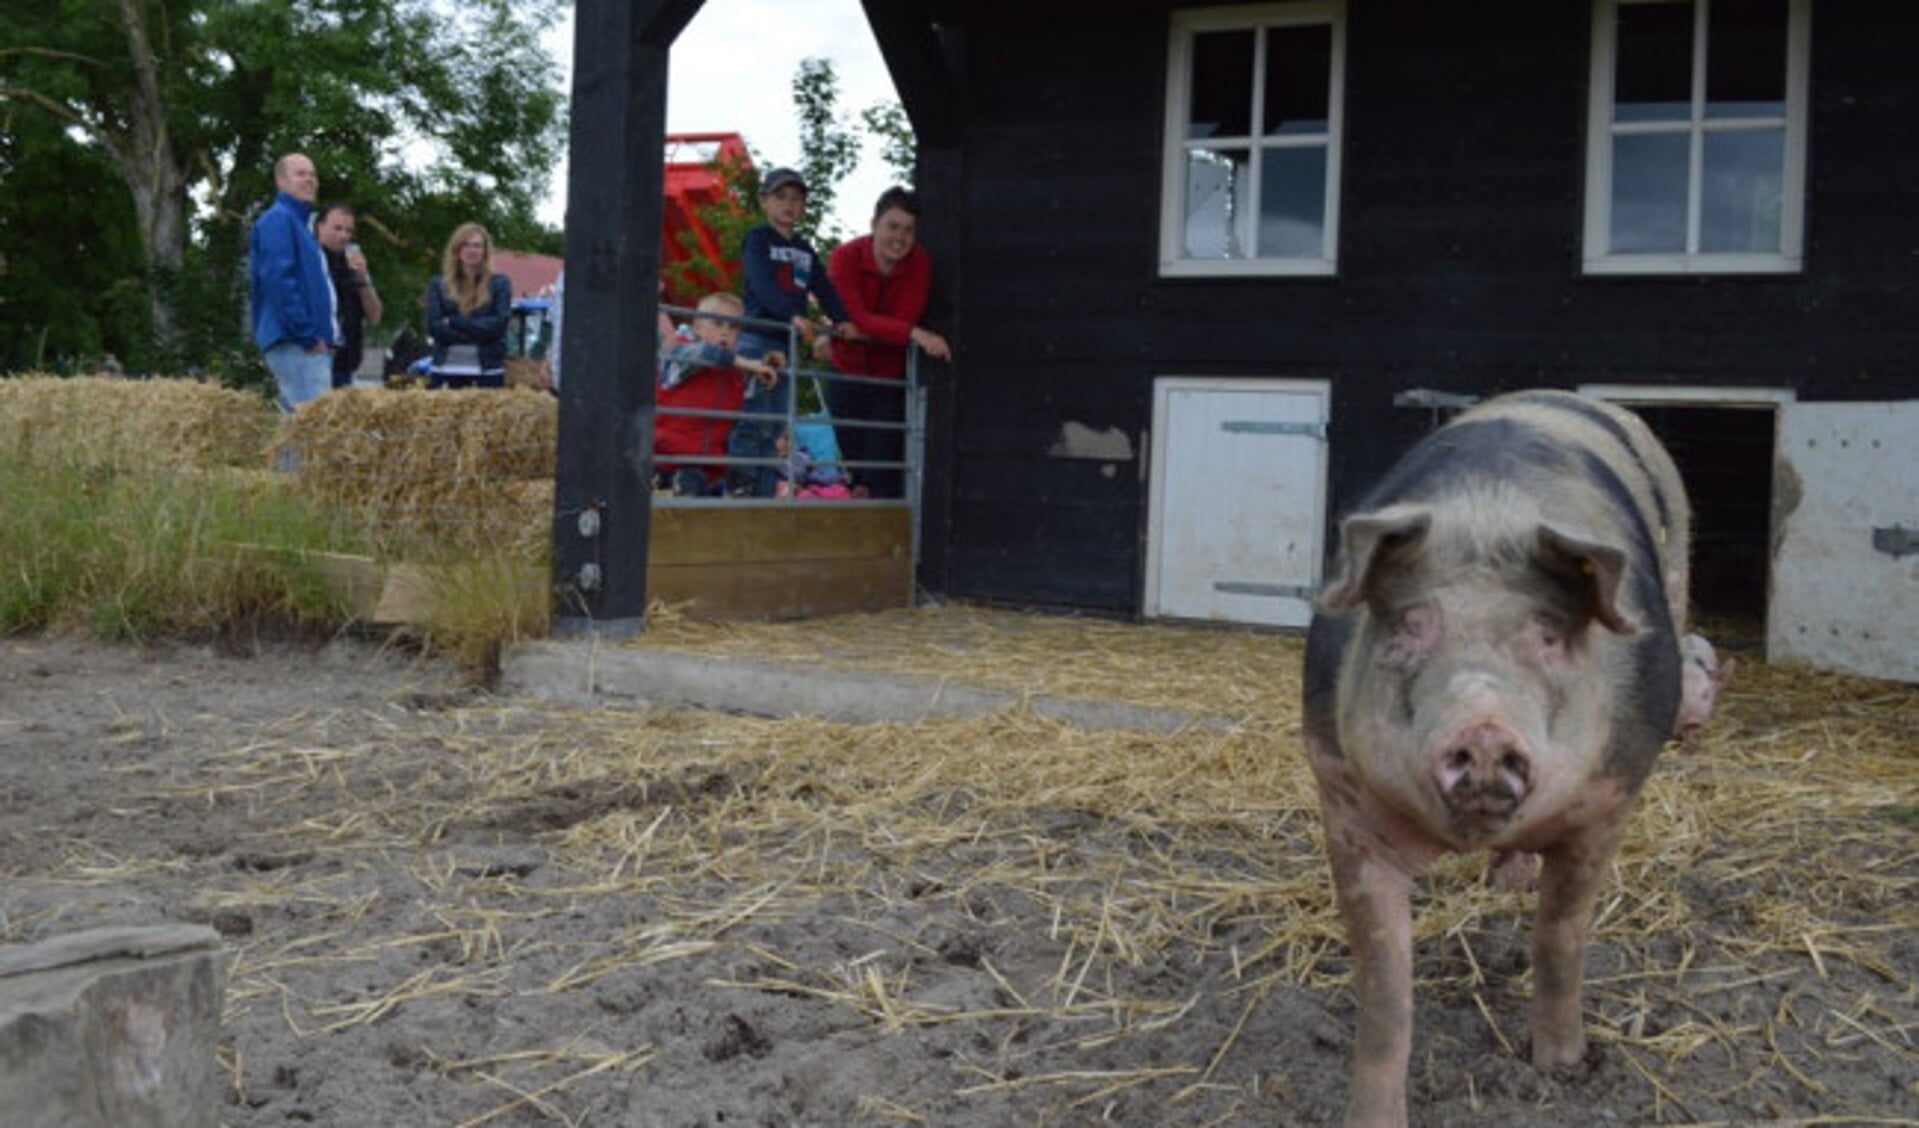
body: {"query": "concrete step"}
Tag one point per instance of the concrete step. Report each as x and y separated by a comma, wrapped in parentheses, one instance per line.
(593, 674)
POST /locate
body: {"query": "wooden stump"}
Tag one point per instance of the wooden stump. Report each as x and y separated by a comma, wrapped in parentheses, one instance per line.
(112, 1027)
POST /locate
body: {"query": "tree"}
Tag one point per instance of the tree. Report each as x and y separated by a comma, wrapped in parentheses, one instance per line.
(58, 308)
(695, 273)
(419, 113)
(829, 145)
(899, 148)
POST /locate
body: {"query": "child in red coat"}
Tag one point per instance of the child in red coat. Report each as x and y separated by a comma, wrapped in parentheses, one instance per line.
(699, 370)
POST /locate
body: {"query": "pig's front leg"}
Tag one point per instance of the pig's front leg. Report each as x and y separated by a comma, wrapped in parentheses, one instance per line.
(1375, 902)
(1373, 874)
(1569, 884)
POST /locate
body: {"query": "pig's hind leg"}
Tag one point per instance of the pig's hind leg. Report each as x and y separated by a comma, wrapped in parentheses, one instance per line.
(1513, 871)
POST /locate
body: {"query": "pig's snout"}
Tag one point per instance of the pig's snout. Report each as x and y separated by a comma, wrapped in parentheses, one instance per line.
(1484, 771)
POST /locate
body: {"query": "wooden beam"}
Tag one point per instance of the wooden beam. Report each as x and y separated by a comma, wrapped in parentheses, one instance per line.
(786, 589)
(941, 231)
(614, 207)
(666, 21)
(782, 561)
(915, 48)
(749, 533)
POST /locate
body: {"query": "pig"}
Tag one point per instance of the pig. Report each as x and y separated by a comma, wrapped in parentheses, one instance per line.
(1701, 677)
(1493, 664)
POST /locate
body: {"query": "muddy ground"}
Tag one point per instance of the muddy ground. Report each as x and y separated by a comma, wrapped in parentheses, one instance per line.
(445, 908)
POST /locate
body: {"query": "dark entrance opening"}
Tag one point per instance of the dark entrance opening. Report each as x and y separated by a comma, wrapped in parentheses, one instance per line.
(1725, 454)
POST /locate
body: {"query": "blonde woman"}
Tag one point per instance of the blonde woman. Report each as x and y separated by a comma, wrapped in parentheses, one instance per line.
(467, 307)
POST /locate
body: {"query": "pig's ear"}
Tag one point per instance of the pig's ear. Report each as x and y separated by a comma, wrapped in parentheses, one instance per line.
(1589, 572)
(1369, 543)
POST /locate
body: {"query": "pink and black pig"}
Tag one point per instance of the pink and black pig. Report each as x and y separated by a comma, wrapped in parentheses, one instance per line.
(1701, 677)
(1493, 664)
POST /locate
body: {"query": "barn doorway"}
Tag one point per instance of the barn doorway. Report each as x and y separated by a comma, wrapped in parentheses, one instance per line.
(1723, 441)
(1725, 456)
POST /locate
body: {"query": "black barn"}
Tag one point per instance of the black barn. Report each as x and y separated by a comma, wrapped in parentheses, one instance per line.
(1362, 214)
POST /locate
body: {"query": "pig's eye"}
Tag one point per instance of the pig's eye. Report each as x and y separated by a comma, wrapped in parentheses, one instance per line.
(1416, 622)
(1414, 633)
(1549, 635)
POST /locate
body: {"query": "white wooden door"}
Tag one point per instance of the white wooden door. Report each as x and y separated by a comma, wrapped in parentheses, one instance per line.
(1845, 569)
(1237, 500)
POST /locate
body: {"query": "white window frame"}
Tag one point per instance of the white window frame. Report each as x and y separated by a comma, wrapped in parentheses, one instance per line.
(1185, 25)
(1601, 129)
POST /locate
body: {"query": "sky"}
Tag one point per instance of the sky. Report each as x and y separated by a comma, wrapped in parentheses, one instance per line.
(732, 70)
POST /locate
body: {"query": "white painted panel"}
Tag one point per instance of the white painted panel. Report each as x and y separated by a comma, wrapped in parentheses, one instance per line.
(1237, 501)
(1843, 470)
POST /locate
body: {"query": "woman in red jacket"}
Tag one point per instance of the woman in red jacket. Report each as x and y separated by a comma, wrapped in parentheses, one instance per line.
(884, 279)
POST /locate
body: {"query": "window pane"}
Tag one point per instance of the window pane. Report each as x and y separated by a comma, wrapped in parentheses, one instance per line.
(1299, 75)
(1222, 91)
(1743, 196)
(1215, 198)
(1653, 76)
(1292, 204)
(1649, 193)
(1746, 59)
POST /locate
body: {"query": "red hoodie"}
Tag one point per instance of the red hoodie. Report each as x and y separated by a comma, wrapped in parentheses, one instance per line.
(886, 307)
(696, 375)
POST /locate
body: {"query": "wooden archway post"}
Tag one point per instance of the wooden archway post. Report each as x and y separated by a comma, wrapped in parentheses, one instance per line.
(616, 160)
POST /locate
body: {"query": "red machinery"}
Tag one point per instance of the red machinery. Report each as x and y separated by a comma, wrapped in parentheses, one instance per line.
(694, 181)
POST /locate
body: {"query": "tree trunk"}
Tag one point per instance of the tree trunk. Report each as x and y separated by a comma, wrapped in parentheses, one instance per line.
(154, 175)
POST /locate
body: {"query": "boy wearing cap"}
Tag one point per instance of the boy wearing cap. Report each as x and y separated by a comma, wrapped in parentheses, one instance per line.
(782, 272)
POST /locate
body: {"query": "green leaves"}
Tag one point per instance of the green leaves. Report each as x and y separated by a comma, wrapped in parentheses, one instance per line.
(829, 144)
(421, 114)
(898, 146)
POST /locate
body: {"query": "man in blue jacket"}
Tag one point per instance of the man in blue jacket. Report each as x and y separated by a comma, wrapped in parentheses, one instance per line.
(293, 317)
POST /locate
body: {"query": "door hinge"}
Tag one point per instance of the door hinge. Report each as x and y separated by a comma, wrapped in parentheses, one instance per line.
(1264, 427)
(1279, 591)
(1896, 541)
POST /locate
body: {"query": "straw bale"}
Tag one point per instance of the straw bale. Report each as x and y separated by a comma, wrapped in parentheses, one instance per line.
(523, 518)
(523, 372)
(443, 469)
(97, 422)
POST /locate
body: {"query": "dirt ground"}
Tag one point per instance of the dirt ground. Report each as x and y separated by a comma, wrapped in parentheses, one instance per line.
(446, 908)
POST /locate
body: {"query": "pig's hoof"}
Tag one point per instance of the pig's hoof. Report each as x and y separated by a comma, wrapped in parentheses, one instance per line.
(1554, 1055)
(1513, 871)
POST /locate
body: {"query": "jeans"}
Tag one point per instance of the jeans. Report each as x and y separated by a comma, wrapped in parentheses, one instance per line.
(689, 481)
(436, 379)
(759, 438)
(850, 401)
(299, 375)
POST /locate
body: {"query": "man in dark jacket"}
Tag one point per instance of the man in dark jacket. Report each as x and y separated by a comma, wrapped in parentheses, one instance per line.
(292, 300)
(354, 297)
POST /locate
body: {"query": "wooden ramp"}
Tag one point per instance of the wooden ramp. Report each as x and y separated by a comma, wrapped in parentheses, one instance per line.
(781, 560)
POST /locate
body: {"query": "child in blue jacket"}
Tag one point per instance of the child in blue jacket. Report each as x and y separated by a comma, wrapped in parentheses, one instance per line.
(783, 272)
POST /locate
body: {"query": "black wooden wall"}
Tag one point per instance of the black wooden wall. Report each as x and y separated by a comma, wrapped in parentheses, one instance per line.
(1461, 213)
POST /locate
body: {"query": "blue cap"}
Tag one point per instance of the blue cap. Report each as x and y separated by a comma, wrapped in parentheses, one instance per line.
(780, 178)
